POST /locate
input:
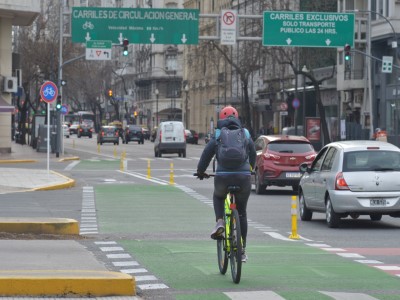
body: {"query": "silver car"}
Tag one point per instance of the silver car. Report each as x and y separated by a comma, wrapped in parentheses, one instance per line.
(351, 178)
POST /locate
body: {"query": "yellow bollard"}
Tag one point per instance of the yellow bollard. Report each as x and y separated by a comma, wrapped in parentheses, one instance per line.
(294, 234)
(115, 151)
(98, 148)
(121, 164)
(171, 174)
(148, 169)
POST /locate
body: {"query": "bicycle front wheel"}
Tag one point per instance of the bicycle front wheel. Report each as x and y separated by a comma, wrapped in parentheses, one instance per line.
(236, 247)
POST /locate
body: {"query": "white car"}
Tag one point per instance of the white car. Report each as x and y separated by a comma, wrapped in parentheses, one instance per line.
(351, 178)
(65, 130)
(74, 128)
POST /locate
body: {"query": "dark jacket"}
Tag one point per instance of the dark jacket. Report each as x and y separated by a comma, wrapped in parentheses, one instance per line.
(211, 148)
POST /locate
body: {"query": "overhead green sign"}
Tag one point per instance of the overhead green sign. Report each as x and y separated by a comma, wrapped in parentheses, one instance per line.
(308, 29)
(138, 25)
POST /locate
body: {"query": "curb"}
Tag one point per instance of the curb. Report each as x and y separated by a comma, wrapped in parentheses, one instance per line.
(68, 184)
(66, 283)
(69, 158)
(16, 161)
(62, 226)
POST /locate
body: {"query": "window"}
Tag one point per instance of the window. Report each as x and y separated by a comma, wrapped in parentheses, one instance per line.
(171, 62)
(318, 160)
(290, 147)
(329, 158)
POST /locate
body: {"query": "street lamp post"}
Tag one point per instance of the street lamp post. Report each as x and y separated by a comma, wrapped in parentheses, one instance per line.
(186, 106)
(157, 93)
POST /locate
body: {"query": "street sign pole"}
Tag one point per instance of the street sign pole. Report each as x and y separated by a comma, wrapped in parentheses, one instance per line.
(49, 93)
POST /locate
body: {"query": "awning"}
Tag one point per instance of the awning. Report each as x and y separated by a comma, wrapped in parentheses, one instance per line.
(5, 106)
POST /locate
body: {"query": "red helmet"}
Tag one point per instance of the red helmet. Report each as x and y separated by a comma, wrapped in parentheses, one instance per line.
(227, 112)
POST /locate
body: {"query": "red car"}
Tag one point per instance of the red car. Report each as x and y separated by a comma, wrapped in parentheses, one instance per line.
(278, 160)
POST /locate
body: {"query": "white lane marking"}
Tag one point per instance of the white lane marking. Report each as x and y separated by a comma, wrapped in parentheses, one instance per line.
(368, 261)
(119, 255)
(125, 263)
(134, 271)
(71, 165)
(105, 243)
(152, 286)
(319, 245)
(350, 255)
(138, 175)
(388, 268)
(333, 249)
(88, 224)
(254, 295)
(109, 249)
(279, 236)
(145, 278)
(347, 296)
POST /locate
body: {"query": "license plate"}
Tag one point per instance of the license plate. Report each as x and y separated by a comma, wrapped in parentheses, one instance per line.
(293, 175)
(377, 202)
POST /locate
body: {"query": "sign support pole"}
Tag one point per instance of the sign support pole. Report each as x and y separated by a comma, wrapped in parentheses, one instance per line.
(48, 138)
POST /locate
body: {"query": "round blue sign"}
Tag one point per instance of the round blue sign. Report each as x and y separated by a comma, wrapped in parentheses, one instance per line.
(49, 91)
(295, 103)
(64, 109)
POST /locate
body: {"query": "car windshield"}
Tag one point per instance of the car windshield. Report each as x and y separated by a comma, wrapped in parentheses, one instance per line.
(290, 147)
(372, 160)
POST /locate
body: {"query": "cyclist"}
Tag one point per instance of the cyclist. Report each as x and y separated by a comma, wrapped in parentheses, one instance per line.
(228, 116)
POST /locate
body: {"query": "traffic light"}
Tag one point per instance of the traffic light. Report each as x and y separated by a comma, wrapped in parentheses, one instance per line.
(347, 49)
(125, 44)
(58, 104)
(110, 92)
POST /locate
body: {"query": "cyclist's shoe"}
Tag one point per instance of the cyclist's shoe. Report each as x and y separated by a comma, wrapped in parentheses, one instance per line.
(244, 256)
(218, 230)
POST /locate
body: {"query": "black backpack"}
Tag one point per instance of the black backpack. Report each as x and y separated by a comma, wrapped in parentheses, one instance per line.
(232, 147)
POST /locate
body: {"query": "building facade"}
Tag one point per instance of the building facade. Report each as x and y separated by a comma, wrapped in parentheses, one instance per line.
(15, 13)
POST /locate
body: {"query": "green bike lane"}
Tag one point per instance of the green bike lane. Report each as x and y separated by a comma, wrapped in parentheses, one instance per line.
(166, 230)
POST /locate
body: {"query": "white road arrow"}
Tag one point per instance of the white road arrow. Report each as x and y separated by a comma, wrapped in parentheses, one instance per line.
(120, 38)
(87, 37)
(328, 42)
(152, 38)
(288, 41)
(184, 39)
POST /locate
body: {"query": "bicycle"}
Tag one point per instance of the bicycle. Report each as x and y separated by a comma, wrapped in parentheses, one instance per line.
(230, 245)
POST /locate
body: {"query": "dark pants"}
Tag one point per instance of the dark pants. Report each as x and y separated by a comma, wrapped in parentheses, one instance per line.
(221, 183)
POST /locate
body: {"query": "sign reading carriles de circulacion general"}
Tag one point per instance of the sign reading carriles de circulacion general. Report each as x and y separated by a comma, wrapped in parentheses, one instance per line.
(308, 29)
(138, 25)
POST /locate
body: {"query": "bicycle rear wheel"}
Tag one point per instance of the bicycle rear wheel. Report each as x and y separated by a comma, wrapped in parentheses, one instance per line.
(236, 247)
(222, 255)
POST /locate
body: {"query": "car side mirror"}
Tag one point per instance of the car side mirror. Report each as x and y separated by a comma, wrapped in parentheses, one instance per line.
(304, 168)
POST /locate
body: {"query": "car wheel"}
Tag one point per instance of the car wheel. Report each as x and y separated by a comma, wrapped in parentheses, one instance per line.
(79, 136)
(295, 188)
(332, 218)
(260, 188)
(138, 142)
(90, 136)
(155, 153)
(184, 153)
(305, 213)
(375, 217)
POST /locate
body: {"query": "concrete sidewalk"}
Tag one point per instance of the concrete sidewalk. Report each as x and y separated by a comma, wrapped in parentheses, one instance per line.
(48, 267)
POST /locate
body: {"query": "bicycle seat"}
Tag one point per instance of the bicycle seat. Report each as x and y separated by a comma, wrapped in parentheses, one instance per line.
(233, 188)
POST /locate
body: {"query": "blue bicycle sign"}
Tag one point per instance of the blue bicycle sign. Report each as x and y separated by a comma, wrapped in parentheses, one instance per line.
(49, 91)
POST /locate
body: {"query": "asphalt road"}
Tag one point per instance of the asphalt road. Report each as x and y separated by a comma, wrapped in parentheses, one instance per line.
(165, 229)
